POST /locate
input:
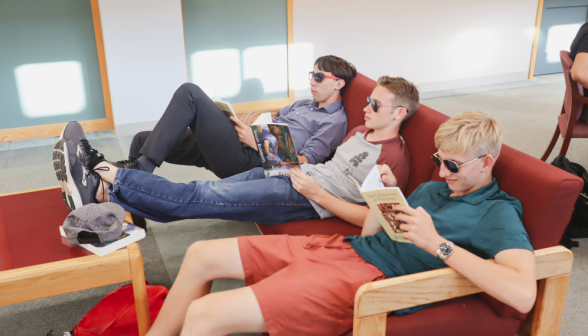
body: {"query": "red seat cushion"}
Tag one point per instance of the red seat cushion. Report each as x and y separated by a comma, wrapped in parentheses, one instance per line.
(464, 316)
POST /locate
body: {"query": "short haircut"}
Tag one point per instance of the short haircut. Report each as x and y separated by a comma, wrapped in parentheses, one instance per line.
(470, 131)
(338, 67)
(405, 92)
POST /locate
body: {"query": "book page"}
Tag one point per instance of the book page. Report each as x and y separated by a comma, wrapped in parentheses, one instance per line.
(372, 180)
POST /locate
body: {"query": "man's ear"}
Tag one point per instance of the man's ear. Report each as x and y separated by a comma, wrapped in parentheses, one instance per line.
(489, 161)
(340, 84)
(401, 113)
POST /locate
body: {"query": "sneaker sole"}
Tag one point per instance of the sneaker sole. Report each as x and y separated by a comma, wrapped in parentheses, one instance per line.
(69, 192)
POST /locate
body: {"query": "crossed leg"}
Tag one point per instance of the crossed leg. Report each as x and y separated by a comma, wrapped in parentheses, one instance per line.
(190, 308)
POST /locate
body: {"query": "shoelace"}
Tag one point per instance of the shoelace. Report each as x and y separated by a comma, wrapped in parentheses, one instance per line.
(102, 181)
(127, 162)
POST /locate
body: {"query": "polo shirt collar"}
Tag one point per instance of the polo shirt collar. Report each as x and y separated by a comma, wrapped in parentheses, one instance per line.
(475, 197)
(332, 107)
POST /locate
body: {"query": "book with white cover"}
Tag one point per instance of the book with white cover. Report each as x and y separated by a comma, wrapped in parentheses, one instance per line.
(131, 233)
(381, 200)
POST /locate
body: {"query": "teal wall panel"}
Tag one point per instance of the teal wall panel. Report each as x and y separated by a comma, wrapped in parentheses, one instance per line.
(49, 70)
(237, 49)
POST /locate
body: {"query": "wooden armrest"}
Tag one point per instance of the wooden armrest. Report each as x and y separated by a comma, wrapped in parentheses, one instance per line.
(414, 290)
(374, 300)
(248, 117)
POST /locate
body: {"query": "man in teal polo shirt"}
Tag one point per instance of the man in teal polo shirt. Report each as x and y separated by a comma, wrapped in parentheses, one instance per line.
(458, 223)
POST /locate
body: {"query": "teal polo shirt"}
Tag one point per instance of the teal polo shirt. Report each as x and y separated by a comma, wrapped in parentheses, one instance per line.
(483, 222)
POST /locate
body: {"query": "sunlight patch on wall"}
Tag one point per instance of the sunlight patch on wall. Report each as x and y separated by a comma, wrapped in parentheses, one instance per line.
(217, 72)
(301, 56)
(269, 64)
(51, 89)
(559, 38)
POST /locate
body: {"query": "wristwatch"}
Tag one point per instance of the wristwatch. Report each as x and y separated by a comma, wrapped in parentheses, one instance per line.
(445, 250)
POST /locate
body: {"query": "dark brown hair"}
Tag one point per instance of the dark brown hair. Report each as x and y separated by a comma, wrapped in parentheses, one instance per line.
(338, 67)
(405, 92)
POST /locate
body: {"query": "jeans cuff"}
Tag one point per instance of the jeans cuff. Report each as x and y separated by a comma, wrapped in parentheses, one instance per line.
(115, 186)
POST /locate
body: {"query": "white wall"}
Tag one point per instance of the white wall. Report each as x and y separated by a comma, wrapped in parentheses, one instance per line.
(436, 44)
(439, 45)
(144, 46)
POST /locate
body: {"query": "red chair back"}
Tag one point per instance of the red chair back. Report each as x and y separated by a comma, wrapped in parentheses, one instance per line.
(570, 105)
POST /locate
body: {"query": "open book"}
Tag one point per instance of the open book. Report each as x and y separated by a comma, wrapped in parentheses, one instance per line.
(227, 109)
(275, 146)
(131, 233)
(381, 199)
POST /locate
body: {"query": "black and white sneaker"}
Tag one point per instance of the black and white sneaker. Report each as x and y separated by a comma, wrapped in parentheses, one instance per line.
(79, 183)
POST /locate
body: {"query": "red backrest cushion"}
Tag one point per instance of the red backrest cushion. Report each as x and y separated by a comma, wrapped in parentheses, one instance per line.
(418, 132)
(354, 99)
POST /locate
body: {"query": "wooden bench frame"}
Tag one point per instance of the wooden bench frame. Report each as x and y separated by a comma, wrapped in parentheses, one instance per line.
(72, 275)
(373, 301)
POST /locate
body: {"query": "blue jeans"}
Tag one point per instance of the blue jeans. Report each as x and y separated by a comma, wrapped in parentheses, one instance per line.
(248, 196)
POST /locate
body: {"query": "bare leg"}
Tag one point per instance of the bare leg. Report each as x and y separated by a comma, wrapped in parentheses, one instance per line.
(106, 171)
(224, 313)
(102, 192)
(204, 262)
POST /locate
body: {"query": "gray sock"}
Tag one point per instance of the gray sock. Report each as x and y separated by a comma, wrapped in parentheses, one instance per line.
(147, 164)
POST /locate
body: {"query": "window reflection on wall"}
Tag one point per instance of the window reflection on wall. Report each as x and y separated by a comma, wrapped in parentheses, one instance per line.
(559, 38)
(50, 89)
(222, 73)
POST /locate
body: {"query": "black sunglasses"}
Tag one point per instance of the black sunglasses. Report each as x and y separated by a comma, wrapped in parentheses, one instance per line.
(452, 166)
(319, 76)
(375, 104)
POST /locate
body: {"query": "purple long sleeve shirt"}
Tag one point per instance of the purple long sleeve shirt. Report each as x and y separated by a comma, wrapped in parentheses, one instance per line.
(316, 132)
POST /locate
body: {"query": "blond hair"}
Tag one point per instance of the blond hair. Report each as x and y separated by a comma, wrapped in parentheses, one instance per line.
(469, 131)
(405, 92)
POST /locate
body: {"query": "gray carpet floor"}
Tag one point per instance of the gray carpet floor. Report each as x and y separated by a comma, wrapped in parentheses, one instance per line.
(527, 112)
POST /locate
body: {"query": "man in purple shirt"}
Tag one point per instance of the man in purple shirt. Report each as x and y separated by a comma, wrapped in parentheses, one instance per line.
(194, 131)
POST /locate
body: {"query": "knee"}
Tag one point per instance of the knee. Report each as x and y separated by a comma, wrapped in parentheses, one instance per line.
(196, 259)
(201, 318)
(189, 89)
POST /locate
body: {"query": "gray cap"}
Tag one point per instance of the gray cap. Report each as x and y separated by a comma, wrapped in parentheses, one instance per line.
(94, 223)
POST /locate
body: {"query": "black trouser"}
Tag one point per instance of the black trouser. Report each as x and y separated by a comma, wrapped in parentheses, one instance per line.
(194, 131)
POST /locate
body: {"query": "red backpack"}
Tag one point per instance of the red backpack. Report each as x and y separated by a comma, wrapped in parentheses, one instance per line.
(115, 314)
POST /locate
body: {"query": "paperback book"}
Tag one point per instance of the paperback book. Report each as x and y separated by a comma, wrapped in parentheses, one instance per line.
(227, 109)
(381, 201)
(275, 146)
(131, 233)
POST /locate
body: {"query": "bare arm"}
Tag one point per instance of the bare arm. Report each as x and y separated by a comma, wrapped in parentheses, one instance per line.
(511, 280)
(309, 188)
(371, 226)
(580, 69)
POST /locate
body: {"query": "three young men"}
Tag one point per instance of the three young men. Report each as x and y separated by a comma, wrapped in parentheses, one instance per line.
(457, 223)
(461, 221)
(194, 131)
(326, 191)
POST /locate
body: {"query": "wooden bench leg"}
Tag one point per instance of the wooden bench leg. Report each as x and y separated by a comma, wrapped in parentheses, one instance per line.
(139, 288)
(551, 298)
(370, 326)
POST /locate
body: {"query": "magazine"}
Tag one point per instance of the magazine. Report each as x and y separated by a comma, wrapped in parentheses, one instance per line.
(131, 233)
(227, 110)
(381, 200)
(275, 146)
